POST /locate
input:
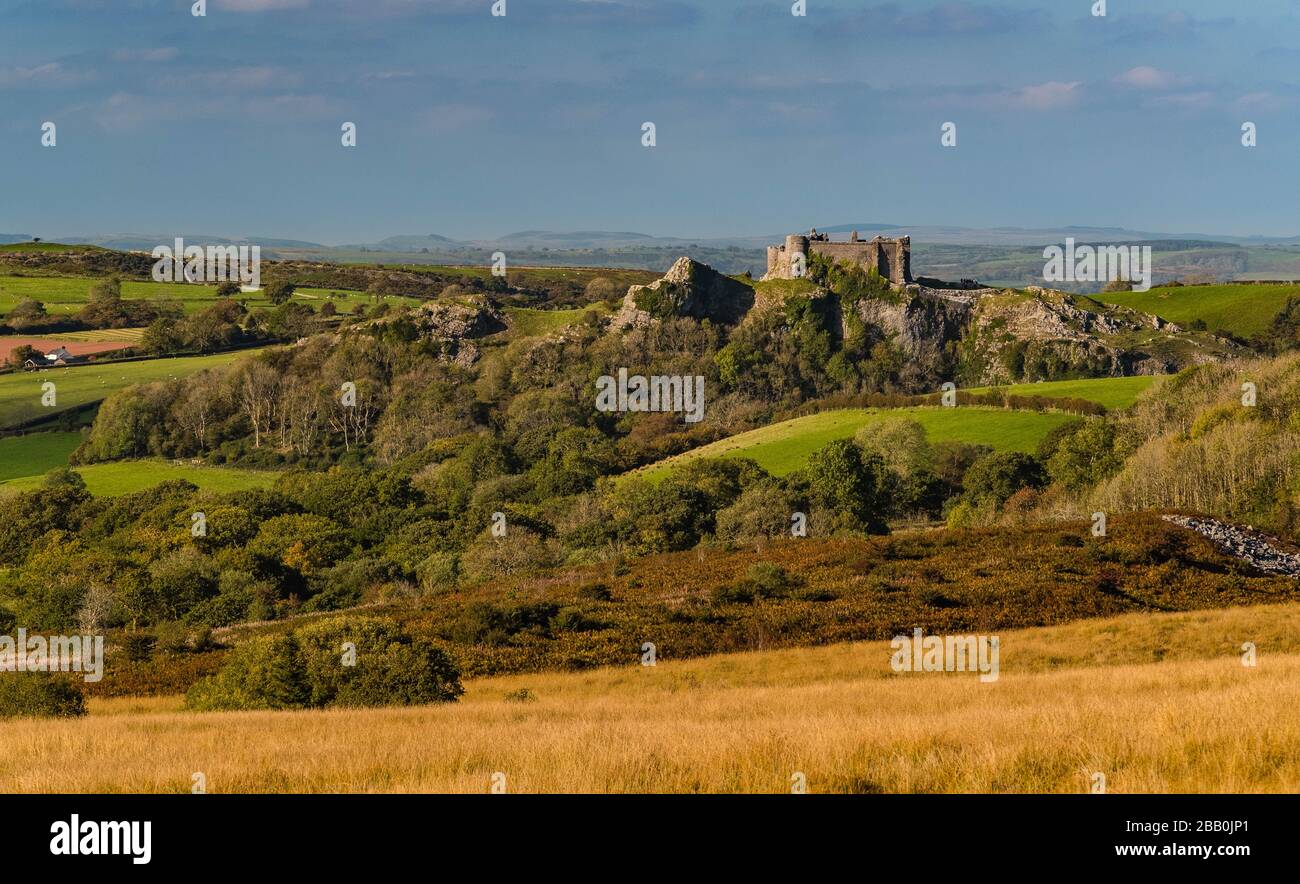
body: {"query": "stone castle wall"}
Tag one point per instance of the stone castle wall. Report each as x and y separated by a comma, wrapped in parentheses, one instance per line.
(892, 258)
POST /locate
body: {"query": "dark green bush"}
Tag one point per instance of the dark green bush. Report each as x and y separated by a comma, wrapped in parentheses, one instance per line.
(40, 695)
(362, 661)
(138, 646)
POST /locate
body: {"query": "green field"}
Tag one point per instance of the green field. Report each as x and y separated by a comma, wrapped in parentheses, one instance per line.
(1113, 393)
(126, 477)
(527, 322)
(1244, 310)
(35, 454)
(20, 392)
(65, 295)
(784, 447)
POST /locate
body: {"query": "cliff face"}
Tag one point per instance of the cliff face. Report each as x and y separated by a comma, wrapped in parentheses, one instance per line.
(922, 323)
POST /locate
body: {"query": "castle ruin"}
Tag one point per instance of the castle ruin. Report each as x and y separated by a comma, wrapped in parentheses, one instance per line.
(891, 258)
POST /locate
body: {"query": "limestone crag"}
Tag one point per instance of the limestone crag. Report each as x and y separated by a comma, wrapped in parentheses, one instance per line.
(921, 322)
(689, 288)
(454, 325)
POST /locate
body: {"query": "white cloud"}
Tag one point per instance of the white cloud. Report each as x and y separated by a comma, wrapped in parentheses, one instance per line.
(52, 74)
(1053, 95)
(1146, 77)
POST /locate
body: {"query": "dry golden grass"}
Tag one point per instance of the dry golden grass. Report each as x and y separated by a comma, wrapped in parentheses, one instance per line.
(1071, 700)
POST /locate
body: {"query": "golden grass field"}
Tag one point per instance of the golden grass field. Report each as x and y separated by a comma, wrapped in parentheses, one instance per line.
(1157, 702)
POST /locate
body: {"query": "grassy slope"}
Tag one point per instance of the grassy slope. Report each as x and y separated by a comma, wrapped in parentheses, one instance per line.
(1141, 698)
(784, 447)
(125, 477)
(1241, 309)
(20, 393)
(527, 322)
(1114, 393)
(35, 454)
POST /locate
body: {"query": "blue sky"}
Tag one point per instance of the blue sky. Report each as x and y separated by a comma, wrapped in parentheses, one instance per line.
(474, 126)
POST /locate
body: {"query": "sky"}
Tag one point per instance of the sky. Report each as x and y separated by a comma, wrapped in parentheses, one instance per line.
(471, 125)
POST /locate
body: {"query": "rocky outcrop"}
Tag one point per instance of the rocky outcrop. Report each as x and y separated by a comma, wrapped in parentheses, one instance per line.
(979, 336)
(921, 322)
(689, 288)
(1253, 548)
(453, 326)
(1044, 333)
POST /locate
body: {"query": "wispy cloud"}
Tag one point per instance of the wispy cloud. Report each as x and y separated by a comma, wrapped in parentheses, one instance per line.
(53, 74)
(1146, 77)
(1050, 96)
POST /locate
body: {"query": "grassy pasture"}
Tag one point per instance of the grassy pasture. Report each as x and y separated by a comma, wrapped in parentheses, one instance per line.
(527, 322)
(20, 392)
(1155, 701)
(1244, 310)
(784, 447)
(1113, 393)
(35, 454)
(127, 477)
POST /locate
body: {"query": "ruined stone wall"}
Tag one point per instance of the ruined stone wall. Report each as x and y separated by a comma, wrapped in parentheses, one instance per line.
(892, 258)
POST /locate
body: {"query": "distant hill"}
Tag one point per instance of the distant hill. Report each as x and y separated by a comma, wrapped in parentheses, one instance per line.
(147, 241)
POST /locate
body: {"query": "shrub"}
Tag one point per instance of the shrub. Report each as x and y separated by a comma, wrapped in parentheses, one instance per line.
(519, 552)
(999, 475)
(771, 581)
(763, 510)
(595, 592)
(439, 571)
(40, 695)
(485, 623)
(138, 646)
(362, 661)
(573, 619)
(265, 673)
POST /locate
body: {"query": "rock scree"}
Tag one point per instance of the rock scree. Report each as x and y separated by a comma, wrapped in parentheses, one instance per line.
(1251, 547)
